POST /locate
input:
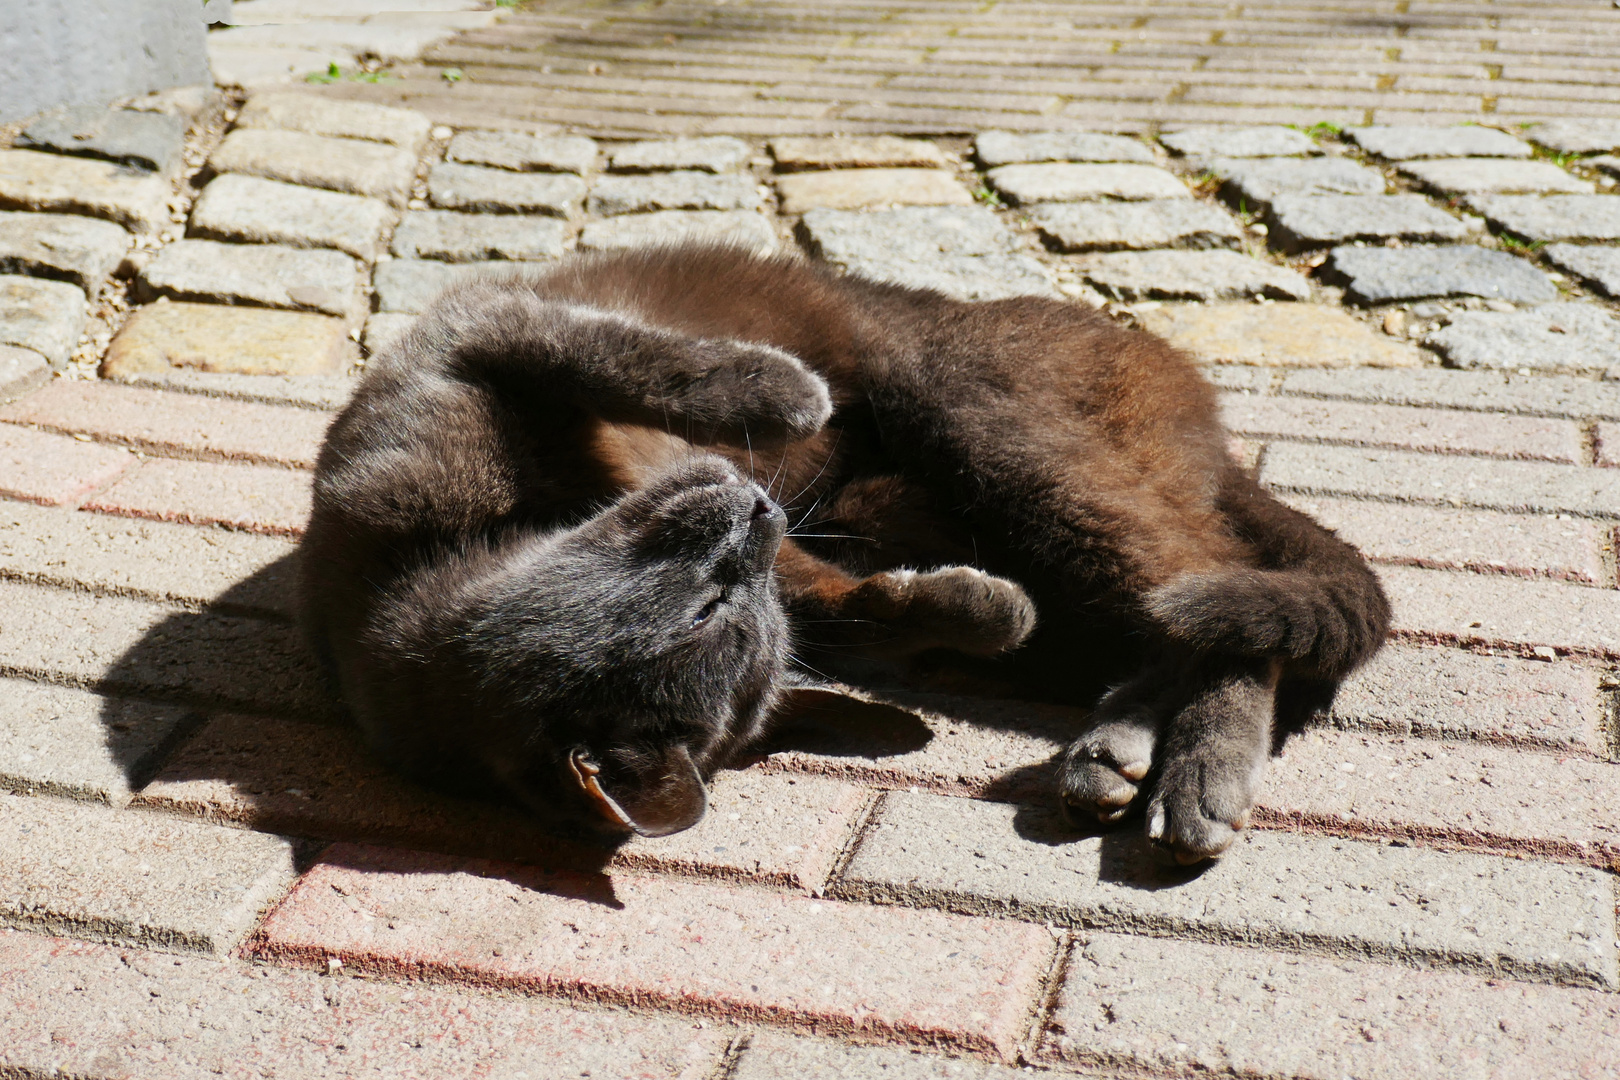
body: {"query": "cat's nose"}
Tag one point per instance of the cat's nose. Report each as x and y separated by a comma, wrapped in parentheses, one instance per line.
(763, 507)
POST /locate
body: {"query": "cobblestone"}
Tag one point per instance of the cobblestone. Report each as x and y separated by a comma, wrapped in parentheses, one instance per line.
(1023, 185)
(30, 180)
(1553, 217)
(456, 237)
(270, 275)
(1558, 337)
(871, 152)
(1274, 334)
(994, 148)
(1493, 176)
(256, 211)
(473, 187)
(258, 498)
(869, 189)
(408, 286)
(1598, 265)
(1183, 223)
(715, 154)
(1189, 275)
(1240, 142)
(141, 140)
(67, 246)
(351, 165)
(232, 340)
(687, 190)
(1256, 183)
(522, 152)
(404, 128)
(743, 227)
(1299, 222)
(1376, 275)
(1407, 142)
(1578, 136)
(21, 370)
(45, 316)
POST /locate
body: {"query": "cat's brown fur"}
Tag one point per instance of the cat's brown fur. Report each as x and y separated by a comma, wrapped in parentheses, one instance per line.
(970, 447)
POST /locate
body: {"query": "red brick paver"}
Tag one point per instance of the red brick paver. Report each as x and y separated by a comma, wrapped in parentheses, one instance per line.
(257, 498)
(53, 469)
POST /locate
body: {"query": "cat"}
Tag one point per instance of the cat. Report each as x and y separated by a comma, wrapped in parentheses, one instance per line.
(548, 560)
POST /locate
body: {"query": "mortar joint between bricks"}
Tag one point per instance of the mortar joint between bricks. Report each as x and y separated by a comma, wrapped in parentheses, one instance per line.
(865, 821)
(1057, 974)
(731, 1059)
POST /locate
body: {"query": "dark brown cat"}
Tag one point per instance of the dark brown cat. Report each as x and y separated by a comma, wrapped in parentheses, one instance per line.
(545, 557)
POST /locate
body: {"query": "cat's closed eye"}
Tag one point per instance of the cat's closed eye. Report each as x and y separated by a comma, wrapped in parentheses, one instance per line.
(706, 612)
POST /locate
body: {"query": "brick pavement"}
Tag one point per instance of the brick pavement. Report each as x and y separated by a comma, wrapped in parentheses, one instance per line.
(201, 873)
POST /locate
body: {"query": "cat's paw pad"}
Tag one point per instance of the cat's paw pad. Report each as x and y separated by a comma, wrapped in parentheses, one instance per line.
(1103, 769)
(966, 609)
(762, 392)
(1202, 801)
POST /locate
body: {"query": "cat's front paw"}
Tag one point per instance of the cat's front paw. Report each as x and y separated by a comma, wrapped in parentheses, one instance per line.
(1103, 769)
(761, 392)
(957, 607)
(1203, 799)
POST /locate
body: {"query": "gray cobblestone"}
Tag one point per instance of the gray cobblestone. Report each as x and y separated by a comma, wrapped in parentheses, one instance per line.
(744, 227)
(1553, 217)
(522, 152)
(1598, 265)
(1578, 136)
(1298, 222)
(1258, 182)
(1239, 142)
(1189, 275)
(150, 141)
(1481, 912)
(270, 275)
(30, 180)
(296, 157)
(408, 286)
(1008, 148)
(1066, 182)
(45, 316)
(404, 128)
(457, 237)
(715, 154)
(847, 152)
(67, 246)
(1406, 142)
(1554, 337)
(1184, 223)
(474, 187)
(1374, 275)
(1487, 391)
(673, 191)
(256, 211)
(1493, 176)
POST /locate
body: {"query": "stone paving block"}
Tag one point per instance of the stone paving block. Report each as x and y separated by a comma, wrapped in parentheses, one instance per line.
(309, 780)
(235, 570)
(296, 157)
(1486, 609)
(714, 153)
(1274, 335)
(1231, 376)
(54, 469)
(386, 41)
(1451, 694)
(1254, 183)
(1240, 142)
(1185, 1008)
(45, 316)
(140, 140)
(327, 393)
(925, 976)
(258, 498)
(1481, 798)
(1444, 480)
(1490, 391)
(1298, 222)
(770, 1055)
(1493, 176)
(75, 1008)
(181, 425)
(316, 115)
(1567, 336)
(132, 878)
(1404, 427)
(271, 275)
(742, 227)
(1377, 275)
(409, 285)
(963, 252)
(476, 188)
(1406, 142)
(869, 189)
(67, 246)
(1600, 266)
(687, 190)
(52, 183)
(1482, 541)
(1533, 920)
(1189, 275)
(859, 152)
(994, 148)
(21, 371)
(454, 237)
(1023, 185)
(1183, 223)
(1578, 136)
(148, 650)
(1553, 217)
(256, 211)
(384, 329)
(1608, 445)
(55, 740)
(522, 152)
(213, 338)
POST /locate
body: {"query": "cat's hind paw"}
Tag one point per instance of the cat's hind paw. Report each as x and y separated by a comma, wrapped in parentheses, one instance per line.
(1102, 771)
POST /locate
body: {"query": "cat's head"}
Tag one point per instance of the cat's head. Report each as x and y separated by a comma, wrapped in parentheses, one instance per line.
(636, 651)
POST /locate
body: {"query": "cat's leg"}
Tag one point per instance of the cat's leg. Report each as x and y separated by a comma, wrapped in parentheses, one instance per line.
(1104, 770)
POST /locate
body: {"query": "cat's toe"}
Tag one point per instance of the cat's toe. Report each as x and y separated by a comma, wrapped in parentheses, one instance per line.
(1103, 770)
(1201, 802)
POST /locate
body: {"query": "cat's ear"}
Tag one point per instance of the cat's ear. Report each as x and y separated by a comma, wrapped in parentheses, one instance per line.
(654, 797)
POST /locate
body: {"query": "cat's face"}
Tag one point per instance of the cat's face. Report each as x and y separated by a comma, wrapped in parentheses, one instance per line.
(644, 646)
